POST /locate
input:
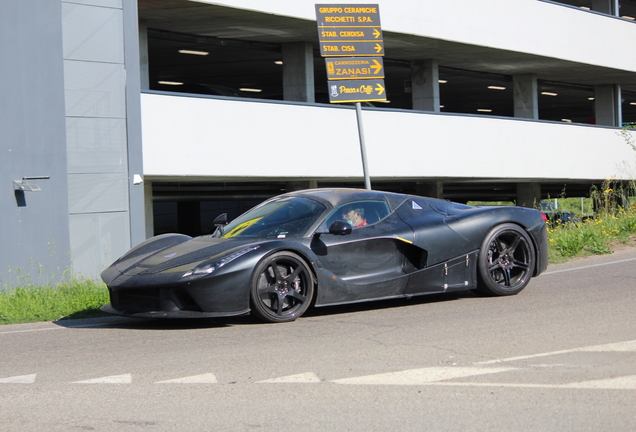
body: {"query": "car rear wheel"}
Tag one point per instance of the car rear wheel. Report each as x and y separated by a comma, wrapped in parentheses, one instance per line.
(282, 288)
(506, 261)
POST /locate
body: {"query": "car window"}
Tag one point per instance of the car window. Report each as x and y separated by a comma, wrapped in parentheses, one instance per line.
(280, 218)
(360, 213)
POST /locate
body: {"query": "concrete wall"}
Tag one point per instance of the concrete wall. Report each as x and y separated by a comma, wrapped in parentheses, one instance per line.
(186, 136)
(69, 110)
(590, 38)
(99, 139)
(34, 236)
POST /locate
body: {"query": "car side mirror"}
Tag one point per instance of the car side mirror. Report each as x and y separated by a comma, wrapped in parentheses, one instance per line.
(340, 228)
(221, 220)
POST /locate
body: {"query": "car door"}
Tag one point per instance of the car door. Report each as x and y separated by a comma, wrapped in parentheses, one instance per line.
(450, 259)
(367, 264)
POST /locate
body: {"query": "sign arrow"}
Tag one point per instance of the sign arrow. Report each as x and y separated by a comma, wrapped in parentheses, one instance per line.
(378, 48)
(377, 67)
(376, 33)
(379, 89)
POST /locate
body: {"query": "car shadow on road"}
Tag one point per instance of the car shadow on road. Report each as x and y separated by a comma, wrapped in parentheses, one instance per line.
(118, 322)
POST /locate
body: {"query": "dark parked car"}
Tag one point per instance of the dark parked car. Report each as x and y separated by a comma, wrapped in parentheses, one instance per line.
(558, 217)
(327, 247)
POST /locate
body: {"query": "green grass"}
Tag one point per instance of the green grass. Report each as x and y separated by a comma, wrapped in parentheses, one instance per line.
(77, 299)
(593, 237)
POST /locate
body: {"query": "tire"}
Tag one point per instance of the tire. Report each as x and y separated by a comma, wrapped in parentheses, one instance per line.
(282, 288)
(506, 261)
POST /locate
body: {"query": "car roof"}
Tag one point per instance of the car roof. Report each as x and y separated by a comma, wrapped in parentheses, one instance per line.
(338, 196)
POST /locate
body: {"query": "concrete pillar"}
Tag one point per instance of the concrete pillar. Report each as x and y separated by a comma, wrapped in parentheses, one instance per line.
(610, 7)
(149, 210)
(529, 194)
(144, 68)
(433, 189)
(298, 72)
(607, 103)
(300, 185)
(425, 85)
(526, 96)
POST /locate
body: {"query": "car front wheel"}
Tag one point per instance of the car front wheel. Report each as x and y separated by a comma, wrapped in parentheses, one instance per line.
(506, 261)
(282, 288)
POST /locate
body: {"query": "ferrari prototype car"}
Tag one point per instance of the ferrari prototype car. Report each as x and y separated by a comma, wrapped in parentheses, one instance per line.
(325, 247)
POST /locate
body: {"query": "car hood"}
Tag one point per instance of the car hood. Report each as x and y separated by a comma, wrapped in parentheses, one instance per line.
(189, 252)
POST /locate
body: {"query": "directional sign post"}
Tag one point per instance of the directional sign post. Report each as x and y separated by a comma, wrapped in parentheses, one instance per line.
(350, 38)
(349, 30)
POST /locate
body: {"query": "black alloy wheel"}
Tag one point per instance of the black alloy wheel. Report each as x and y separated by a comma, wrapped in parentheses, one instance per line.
(282, 288)
(506, 261)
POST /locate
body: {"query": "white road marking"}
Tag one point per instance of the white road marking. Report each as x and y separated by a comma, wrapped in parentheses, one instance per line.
(626, 346)
(208, 378)
(114, 379)
(588, 266)
(21, 379)
(420, 376)
(308, 377)
(494, 384)
(619, 383)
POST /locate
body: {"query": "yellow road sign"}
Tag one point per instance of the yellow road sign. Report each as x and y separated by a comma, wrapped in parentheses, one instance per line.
(350, 49)
(365, 90)
(351, 34)
(349, 30)
(339, 68)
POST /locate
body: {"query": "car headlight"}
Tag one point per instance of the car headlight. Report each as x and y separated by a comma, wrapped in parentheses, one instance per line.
(210, 267)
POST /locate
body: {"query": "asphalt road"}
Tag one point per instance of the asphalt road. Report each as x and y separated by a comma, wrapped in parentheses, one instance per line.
(560, 356)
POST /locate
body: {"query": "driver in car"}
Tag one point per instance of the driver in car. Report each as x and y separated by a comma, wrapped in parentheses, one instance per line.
(354, 217)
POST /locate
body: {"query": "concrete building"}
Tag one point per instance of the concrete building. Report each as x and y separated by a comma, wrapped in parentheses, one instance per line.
(122, 119)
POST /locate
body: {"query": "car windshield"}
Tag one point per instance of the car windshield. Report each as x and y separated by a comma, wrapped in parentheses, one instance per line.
(278, 218)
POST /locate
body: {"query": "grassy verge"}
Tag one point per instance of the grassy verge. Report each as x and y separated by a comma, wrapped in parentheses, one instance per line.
(78, 299)
(593, 237)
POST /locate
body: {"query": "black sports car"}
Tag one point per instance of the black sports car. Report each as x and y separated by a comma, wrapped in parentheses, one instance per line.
(327, 247)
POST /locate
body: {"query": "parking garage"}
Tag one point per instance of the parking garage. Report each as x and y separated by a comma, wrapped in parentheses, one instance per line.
(213, 51)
